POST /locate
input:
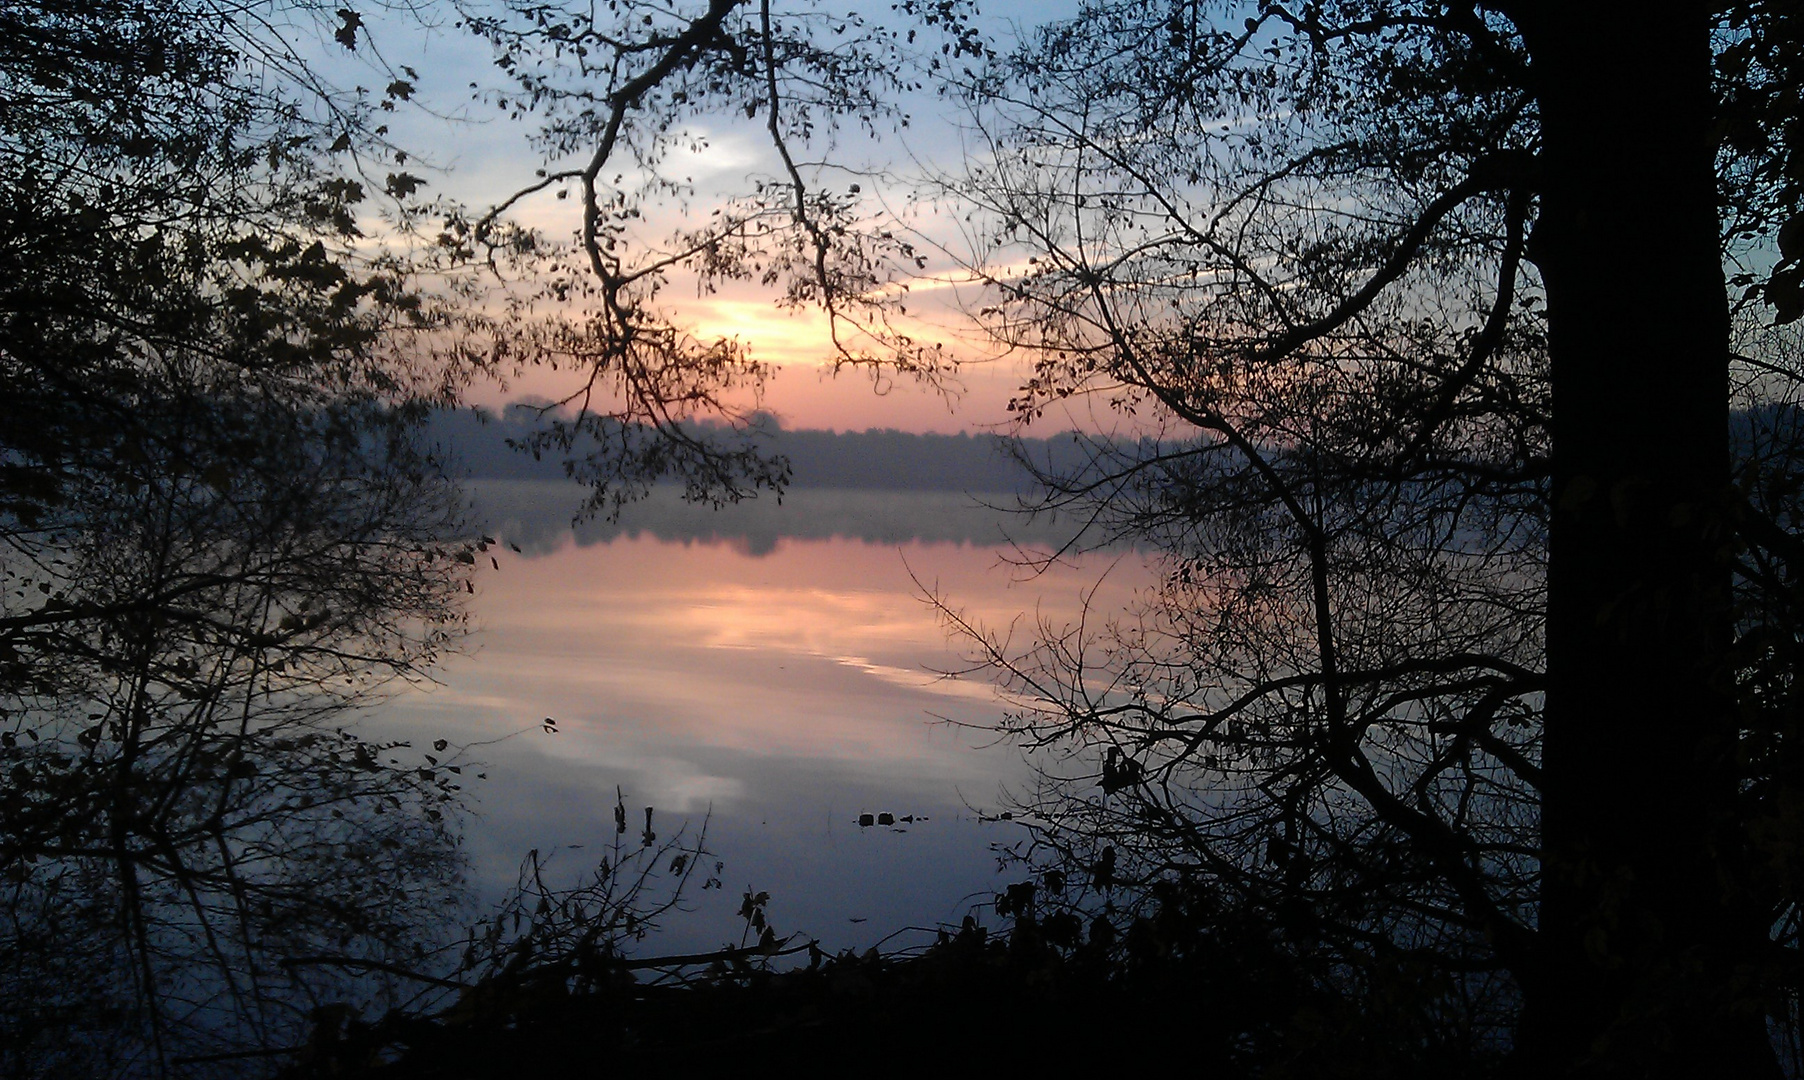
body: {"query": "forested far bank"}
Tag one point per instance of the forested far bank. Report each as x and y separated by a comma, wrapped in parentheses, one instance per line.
(478, 442)
(482, 444)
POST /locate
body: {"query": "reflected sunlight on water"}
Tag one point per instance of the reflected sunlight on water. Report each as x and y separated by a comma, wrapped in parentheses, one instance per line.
(785, 692)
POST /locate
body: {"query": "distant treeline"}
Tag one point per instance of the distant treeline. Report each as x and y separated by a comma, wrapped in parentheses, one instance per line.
(872, 460)
(889, 460)
(535, 516)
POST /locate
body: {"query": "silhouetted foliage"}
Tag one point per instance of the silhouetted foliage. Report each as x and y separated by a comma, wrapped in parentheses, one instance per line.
(615, 89)
(220, 533)
(1459, 584)
(225, 306)
(1043, 993)
(1427, 300)
(551, 965)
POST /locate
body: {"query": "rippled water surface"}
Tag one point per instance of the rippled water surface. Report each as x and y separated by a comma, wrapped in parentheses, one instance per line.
(771, 669)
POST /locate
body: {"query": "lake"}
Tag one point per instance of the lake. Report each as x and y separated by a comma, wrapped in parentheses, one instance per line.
(769, 669)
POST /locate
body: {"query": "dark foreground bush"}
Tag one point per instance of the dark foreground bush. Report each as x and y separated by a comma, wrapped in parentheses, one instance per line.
(1223, 996)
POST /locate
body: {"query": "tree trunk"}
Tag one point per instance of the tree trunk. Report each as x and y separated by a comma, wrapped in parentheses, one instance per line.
(1646, 931)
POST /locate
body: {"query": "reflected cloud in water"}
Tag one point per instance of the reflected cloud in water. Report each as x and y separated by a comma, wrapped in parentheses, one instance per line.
(777, 666)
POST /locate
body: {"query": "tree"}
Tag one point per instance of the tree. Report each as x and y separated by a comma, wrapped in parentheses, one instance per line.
(1445, 477)
(220, 533)
(614, 91)
(183, 810)
(225, 304)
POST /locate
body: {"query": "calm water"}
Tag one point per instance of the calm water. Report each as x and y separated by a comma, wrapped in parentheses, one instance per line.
(769, 668)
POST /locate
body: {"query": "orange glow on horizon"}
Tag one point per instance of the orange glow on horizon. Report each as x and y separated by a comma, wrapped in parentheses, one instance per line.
(806, 392)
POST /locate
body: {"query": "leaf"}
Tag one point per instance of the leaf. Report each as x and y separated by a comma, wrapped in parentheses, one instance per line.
(1785, 292)
(350, 22)
(1791, 238)
(402, 184)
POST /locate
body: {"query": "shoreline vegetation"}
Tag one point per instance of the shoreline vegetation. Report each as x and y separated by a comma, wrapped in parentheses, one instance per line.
(1043, 991)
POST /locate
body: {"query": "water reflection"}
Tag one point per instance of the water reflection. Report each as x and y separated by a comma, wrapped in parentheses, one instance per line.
(774, 664)
(182, 815)
(536, 515)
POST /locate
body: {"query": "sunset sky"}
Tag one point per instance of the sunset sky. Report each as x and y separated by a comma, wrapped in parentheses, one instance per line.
(806, 392)
(476, 156)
